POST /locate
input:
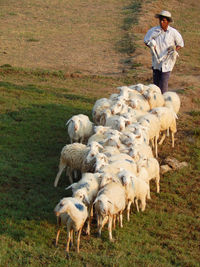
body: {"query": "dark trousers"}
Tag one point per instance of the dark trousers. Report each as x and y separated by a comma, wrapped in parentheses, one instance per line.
(161, 79)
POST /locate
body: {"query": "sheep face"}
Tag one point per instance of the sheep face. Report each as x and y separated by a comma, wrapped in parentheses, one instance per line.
(105, 180)
(60, 207)
(81, 194)
(101, 204)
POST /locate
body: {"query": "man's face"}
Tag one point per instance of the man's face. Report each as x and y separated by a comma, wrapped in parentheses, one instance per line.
(163, 23)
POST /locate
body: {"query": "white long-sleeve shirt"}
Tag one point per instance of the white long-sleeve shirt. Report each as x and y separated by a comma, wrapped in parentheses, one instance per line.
(164, 39)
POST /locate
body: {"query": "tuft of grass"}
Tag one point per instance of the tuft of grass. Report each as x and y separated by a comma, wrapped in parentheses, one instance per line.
(127, 43)
(32, 40)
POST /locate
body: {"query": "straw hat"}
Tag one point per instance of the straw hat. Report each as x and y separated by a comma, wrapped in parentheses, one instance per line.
(165, 14)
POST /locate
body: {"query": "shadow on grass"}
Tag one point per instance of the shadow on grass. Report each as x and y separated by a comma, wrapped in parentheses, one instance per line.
(30, 145)
(54, 92)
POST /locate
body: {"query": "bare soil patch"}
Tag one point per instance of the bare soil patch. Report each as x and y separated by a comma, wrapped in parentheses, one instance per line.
(62, 35)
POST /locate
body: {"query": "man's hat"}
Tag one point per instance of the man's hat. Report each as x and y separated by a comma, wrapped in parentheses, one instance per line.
(165, 14)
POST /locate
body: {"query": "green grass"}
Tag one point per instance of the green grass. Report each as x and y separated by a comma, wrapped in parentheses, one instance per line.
(32, 123)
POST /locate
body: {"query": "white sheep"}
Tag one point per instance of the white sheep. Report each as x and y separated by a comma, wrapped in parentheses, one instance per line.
(135, 188)
(154, 99)
(140, 150)
(153, 88)
(172, 100)
(99, 106)
(61, 222)
(114, 166)
(139, 87)
(117, 122)
(152, 123)
(114, 140)
(153, 168)
(76, 215)
(108, 178)
(135, 133)
(167, 119)
(80, 128)
(119, 107)
(94, 148)
(97, 137)
(73, 157)
(110, 201)
(110, 150)
(133, 115)
(86, 191)
(140, 103)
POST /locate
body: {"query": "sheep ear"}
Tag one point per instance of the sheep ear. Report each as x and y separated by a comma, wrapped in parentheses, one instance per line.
(66, 188)
(100, 146)
(95, 201)
(153, 112)
(175, 115)
(71, 186)
(86, 200)
(68, 122)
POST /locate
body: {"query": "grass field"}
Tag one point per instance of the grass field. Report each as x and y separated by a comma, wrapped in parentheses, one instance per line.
(35, 104)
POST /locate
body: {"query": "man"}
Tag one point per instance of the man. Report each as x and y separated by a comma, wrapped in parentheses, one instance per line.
(164, 42)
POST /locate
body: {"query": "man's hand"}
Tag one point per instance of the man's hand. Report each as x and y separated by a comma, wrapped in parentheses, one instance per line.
(178, 47)
(171, 49)
(152, 43)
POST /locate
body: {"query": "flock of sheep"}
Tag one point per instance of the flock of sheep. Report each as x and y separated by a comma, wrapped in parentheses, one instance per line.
(113, 158)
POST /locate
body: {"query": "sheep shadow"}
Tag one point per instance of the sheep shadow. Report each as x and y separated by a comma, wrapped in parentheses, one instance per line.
(31, 142)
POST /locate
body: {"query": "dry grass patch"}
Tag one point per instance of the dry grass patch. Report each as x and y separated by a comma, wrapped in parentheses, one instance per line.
(69, 35)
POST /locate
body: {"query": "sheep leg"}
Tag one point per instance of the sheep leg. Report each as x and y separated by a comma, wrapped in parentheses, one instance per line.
(59, 228)
(162, 139)
(172, 139)
(105, 220)
(88, 225)
(57, 236)
(114, 221)
(121, 219)
(61, 168)
(158, 183)
(152, 142)
(78, 239)
(69, 174)
(128, 210)
(75, 174)
(97, 218)
(167, 131)
(91, 213)
(82, 140)
(110, 227)
(156, 145)
(143, 204)
(148, 192)
(100, 223)
(136, 203)
(72, 237)
(68, 240)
